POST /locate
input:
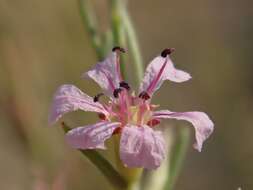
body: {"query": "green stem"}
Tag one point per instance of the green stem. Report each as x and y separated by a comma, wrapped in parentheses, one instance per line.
(177, 157)
(132, 175)
(103, 165)
(90, 24)
(133, 45)
(124, 34)
(118, 30)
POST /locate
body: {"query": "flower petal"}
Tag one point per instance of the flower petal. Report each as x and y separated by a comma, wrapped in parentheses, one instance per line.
(105, 74)
(141, 147)
(69, 98)
(160, 69)
(200, 121)
(91, 136)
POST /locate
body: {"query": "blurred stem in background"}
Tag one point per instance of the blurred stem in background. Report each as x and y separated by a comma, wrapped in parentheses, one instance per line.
(90, 23)
(122, 34)
(133, 45)
(177, 156)
(118, 29)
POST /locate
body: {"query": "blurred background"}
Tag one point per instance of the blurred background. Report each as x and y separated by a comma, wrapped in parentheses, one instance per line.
(43, 44)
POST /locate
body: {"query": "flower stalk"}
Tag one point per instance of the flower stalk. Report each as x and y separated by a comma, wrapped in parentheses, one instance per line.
(132, 175)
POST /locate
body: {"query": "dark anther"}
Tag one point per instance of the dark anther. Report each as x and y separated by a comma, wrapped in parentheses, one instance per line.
(167, 51)
(144, 95)
(125, 85)
(117, 48)
(153, 122)
(116, 92)
(65, 127)
(96, 98)
(117, 130)
(102, 116)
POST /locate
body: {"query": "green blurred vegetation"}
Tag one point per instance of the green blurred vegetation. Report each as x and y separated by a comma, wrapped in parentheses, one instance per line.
(43, 45)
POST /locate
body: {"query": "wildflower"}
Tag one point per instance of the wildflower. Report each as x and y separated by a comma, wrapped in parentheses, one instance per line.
(131, 116)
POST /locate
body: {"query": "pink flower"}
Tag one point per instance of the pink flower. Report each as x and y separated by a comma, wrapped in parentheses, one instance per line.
(132, 117)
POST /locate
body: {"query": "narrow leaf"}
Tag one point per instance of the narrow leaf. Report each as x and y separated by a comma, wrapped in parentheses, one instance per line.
(102, 164)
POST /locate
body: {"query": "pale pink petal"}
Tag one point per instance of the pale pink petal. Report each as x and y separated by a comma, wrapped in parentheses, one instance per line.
(160, 69)
(141, 146)
(200, 121)
(91, 136)
(105, 74)
(69, 98)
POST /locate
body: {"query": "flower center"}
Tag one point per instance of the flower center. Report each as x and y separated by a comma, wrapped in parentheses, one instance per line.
(129, 109)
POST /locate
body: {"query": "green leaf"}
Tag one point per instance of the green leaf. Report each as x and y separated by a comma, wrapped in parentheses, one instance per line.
(102, 164)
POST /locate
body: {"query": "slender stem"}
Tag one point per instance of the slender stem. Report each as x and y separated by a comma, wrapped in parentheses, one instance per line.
(124, 34)
(177, 157)
(103, 165)
(132, 175)
(118, 30)
(133, 45)
(158, 178)
(107, 42)
(90, 24)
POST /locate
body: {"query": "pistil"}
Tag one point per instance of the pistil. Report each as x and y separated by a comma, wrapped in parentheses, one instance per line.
(118, 50)
(164, 54)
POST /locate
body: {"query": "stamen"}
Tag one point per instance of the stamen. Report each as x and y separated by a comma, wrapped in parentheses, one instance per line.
(96, 98)
(125, 85)
(116, 92)
(167, 51)
(158, 76)
(102, 116)
(117, 48)
(153, 122)
(117, 131)
(144, 95)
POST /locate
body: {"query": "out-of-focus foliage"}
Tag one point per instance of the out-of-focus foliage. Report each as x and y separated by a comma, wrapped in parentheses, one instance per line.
(43, 45)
